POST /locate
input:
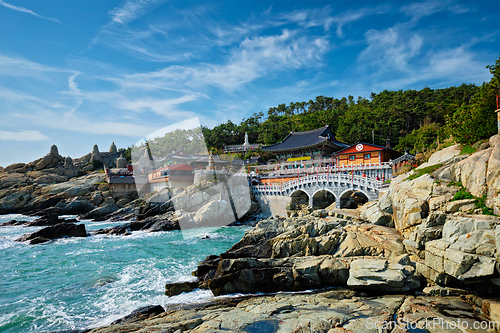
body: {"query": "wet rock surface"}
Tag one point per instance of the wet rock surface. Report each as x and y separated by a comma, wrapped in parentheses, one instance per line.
(53, 232)
(329, 311)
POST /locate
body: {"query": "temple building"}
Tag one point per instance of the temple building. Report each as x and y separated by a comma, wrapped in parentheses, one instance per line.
(365, 154)
(307, 145)
(121, 178)
(195, 161)
(174, 175)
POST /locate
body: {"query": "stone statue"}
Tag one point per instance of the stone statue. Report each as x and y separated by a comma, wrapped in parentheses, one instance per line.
(210, 165)
(246, 143)
(121, 162)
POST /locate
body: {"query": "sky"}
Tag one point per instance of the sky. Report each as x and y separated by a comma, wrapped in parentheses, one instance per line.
(78, 73)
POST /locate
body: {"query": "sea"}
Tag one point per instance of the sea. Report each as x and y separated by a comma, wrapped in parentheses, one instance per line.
(80, 283)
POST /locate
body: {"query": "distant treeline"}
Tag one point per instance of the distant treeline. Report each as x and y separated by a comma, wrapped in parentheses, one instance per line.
(412, 119)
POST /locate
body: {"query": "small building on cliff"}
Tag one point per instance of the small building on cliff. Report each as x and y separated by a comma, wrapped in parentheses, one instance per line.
(175, 175)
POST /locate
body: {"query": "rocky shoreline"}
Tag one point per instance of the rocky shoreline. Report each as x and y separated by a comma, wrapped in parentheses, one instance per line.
(424, 250)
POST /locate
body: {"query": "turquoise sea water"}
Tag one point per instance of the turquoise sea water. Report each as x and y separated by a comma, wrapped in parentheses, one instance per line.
(77, 283)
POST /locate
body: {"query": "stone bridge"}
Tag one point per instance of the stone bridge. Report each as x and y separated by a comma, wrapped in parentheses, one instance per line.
(322, 189)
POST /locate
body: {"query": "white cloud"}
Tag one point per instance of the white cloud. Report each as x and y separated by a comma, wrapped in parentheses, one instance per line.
(15, 66)
(25, 10)
(417, 10)
(165, 107)
(323, 17)
(387, 50)
(73, 87)
(252, 59)
(132, 10)
(22, 136)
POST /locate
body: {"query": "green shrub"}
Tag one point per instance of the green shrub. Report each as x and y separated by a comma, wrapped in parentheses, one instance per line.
(423, 171)
(462, 194)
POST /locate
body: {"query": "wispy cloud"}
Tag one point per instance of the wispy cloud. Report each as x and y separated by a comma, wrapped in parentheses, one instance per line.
(417, 10)
(323, 17)
(25, 10)
(390, 62)
(252, 59)
(387, 50)
(16, 66)
(132, 10)
(22, 136)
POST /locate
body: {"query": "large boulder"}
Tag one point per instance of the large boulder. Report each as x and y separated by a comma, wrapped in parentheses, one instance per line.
(16, 167)
(442, 156)
(409, 202)
(372, 213)
(468, 258)
(248, 275)
(13, 199)
(79, 186)
(471, 172)
(383, 275)
(370, 240)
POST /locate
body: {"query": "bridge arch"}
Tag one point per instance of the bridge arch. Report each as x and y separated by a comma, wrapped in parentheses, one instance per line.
(323, 198)
(299, 197)
(346, 200)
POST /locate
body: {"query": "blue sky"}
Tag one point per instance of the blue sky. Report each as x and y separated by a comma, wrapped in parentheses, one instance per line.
(79, 73)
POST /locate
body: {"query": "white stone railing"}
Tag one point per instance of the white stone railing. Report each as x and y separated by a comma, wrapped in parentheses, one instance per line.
(341, 178)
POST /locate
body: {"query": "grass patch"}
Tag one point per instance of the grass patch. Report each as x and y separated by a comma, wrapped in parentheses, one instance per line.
(462, 194)
(467, 150)
(481, 204)
(423, 171)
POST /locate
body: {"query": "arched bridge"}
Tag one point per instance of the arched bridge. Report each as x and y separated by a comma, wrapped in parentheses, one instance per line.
(335, 187)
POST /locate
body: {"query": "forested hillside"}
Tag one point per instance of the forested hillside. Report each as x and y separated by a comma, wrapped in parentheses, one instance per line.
(410, 119)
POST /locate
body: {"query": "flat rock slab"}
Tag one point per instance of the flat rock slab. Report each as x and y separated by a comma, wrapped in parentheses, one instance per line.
(283, 313)
(333, 311)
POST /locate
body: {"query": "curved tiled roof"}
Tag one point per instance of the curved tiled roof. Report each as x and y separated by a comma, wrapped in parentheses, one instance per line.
(299, 140)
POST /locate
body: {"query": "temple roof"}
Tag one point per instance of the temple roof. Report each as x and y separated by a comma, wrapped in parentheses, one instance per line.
(406, 157)
(182, 156)
(307, 139)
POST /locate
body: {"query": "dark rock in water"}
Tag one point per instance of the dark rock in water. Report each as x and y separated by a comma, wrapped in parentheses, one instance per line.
(44, 221)
(53, 232)
(141, 314)
(173, 289)
(101, 213)
(38, 240)
(12, 223)
(122, 229)
(160, 223)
